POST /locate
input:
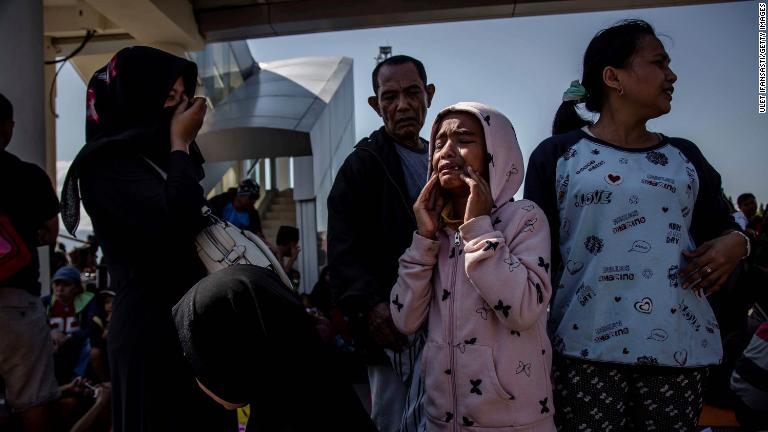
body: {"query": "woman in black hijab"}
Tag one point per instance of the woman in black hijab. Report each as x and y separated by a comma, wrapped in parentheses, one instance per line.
(139, 176)
(250, 341)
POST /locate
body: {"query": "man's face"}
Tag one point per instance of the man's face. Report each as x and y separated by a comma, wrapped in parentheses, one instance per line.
(108, 304)
(65, 291)
(402, 101)
(748, 207)
(6, 133)
(288, 248)
(243, 202)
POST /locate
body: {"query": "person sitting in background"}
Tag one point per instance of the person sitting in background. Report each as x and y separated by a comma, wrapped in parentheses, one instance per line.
(287, 250)
(236, 206)
(84, 258)
(70, 312)
(81, 407)
(58, 258)
(321, 293)
(99, 334)
(84, 407)
(747, 210)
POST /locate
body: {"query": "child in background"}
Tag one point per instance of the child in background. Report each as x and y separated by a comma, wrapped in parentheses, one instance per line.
(70, 312)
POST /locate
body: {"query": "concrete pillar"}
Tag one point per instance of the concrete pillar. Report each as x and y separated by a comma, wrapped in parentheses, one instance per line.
(22, 82)
(238, 171)
(283, 173)
(49, 113)
(306, 220)
(272, 174)
(49, 92)
(307, 262)
(262, 174)
(21, 77)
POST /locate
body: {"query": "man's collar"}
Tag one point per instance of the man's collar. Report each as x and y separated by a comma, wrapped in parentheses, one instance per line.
(391, 140)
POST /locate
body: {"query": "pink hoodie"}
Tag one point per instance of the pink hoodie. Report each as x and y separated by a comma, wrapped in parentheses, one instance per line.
(486, 289)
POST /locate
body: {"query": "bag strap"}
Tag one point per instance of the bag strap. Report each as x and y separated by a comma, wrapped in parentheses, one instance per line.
(205, 210)
(159, 170)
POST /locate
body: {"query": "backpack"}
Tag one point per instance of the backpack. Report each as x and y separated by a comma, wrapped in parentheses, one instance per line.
(14, 253)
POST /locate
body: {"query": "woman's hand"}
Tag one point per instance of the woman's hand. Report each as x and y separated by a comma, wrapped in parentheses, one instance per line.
(712, 263)
(427, 208)
(186, 122)
(480, 200)
(74, 387)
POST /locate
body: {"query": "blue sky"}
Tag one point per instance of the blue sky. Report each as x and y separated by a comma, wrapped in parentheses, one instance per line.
(521, 66)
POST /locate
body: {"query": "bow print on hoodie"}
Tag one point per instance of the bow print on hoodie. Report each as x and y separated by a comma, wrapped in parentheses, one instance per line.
(485, 292)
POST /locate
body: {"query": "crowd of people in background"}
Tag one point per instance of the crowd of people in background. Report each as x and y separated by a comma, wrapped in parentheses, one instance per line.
(623, 292)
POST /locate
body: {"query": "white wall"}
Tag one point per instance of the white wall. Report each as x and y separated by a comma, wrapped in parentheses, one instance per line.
(332, 140)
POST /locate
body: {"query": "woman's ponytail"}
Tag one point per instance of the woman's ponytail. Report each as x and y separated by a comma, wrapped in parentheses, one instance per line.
(568, 119)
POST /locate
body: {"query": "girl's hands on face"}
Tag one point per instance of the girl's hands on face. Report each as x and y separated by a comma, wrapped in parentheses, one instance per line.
(186, 122)
(428, 207)
(480, 200)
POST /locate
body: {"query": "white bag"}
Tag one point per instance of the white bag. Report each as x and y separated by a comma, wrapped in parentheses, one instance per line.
(221, 245)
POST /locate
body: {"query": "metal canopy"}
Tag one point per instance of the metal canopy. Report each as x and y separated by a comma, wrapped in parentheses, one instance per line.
(272, 113)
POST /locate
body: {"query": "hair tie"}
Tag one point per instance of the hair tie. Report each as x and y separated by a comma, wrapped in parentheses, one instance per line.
(576, 92)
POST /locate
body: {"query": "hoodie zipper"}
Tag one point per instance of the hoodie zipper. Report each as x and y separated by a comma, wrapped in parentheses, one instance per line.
(451, 323)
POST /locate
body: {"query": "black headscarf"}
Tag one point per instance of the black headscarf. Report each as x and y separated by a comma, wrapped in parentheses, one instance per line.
(125, 107)
(224, 322)
(249, 340)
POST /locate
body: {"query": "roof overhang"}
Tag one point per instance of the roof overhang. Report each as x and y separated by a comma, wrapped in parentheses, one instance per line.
(222, 20)
(273, 112)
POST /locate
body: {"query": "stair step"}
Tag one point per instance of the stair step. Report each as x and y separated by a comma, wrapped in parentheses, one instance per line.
(283, 217)
(275, 224)
(282, 208)
(283, 201)
(281, 212)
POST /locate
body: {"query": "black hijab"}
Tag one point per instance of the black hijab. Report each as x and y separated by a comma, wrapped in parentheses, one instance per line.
(125, 108)
(224, 322)
(249, 340)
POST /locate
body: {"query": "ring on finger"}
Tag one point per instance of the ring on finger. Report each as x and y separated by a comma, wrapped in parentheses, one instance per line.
(707, 269)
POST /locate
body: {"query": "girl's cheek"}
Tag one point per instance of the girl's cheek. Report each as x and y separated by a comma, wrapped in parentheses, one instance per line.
(435, 159)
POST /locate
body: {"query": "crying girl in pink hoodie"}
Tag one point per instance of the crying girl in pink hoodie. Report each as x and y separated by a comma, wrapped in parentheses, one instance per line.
(478, 269)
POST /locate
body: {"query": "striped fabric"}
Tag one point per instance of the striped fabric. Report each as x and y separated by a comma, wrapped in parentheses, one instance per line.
(407, 365)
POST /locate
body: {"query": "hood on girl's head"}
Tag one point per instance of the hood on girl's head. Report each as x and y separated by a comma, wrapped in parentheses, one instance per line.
(505, 160)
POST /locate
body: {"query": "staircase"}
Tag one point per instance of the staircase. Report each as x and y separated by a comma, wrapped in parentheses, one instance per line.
(281, 211)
